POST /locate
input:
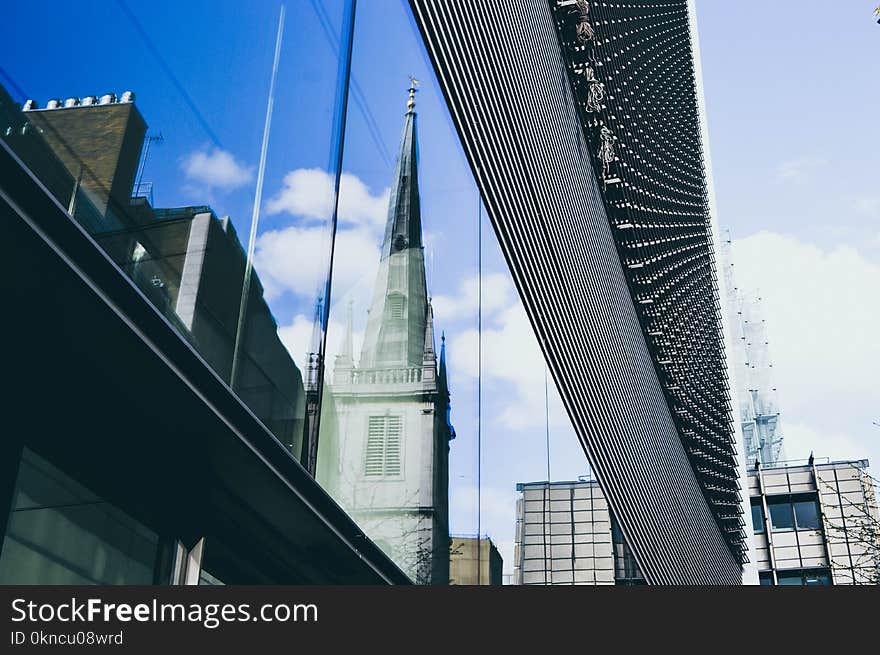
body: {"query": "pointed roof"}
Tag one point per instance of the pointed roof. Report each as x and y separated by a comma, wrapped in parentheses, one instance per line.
(443, 386)
(442, 380)
(403, 228)
(399, 313)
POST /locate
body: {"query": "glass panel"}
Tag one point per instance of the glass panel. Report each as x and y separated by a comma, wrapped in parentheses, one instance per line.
(758, 518)
(170, 180)
(59, 532)
(806, 514)
(406, 241)
(422, 323)
(206, 579)
(765, 578)
(814, 578)
(810, 577)
(790, 578)
(781, 516)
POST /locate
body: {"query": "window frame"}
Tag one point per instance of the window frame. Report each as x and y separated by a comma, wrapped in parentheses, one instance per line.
(758, 526)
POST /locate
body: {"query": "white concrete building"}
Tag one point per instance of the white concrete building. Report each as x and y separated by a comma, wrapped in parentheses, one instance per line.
(815, 523)
(566, 534)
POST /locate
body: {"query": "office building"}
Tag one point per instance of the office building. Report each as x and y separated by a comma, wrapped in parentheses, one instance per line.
(816, 523)
(567, 535)
(581, 126)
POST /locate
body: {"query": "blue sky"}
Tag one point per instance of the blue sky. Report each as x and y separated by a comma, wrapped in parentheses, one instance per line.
(792, 96)
(792, 99)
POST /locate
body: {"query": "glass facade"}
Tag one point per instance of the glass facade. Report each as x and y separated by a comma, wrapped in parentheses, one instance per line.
(61, 533)
(315, 233)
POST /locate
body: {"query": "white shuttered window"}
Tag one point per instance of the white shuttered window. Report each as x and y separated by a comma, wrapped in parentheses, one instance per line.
(383, 455)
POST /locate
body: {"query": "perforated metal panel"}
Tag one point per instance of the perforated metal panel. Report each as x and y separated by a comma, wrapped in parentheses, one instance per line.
(506, 82)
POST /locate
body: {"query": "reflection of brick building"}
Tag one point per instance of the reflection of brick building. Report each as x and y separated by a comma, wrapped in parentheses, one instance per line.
(139, 465)
(99, 141)
(186, 260)
(387, 457)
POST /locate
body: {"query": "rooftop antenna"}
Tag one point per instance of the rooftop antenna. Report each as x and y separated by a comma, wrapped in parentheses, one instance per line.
(158, 138)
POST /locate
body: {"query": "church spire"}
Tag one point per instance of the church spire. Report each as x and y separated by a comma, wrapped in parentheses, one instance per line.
(395, 335)
(403, 228)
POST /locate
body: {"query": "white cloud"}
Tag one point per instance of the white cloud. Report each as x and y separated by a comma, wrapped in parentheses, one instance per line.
(297, 338)
(308, 193)
(216, 169)
(294, 259)
(512, 359)
(497, 292)
(802, 439)
(798, 170)
(821, 315)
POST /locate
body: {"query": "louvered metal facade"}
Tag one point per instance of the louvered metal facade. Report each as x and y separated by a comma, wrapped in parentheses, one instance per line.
(607, 234)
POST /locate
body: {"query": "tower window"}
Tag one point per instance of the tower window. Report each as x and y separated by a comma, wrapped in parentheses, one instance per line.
(383, 454)
(395, 304)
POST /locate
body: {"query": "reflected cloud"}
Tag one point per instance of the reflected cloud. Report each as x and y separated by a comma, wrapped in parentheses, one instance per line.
(216, 169)
(308, 193)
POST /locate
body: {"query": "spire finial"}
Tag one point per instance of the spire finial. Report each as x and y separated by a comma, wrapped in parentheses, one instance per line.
(413, 87)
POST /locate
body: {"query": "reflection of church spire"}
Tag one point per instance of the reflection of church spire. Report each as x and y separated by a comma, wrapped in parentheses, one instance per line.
(395, 335)
(315, 347)
(443, 386)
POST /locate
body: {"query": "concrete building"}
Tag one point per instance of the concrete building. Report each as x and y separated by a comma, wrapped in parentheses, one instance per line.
(816, 523)
(566, 535)
(386, 458)
(468, 566)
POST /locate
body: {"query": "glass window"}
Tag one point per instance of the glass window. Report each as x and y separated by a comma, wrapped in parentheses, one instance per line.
(781, 515)
(806, 513)
(59, 532)
(812, 578)
(758, 517)
(790, 578)
(804, 577)
(765, 578)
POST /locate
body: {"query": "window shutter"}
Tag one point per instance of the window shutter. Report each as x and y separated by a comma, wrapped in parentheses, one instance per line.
(392, 446)
(396, 305)
(384, 443)
(374, 464)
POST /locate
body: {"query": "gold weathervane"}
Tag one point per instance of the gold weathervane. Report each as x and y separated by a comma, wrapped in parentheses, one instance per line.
(413, 87)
